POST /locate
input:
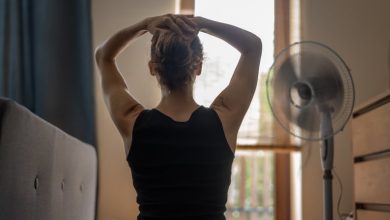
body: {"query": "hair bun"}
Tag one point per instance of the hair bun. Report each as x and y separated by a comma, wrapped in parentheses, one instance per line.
(174, 58)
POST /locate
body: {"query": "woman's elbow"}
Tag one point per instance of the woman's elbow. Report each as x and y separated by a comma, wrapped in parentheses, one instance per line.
(101, 56)
(255, 46)
(98, 54)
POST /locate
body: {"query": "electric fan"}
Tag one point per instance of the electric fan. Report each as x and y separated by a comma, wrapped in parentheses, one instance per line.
(311, 94)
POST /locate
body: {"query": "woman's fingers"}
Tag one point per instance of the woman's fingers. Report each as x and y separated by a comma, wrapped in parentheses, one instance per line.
(184, 26)
(163, 22)
(187, 26)
(178, 24)
(170, 22)
(189, 22)
(190, 30)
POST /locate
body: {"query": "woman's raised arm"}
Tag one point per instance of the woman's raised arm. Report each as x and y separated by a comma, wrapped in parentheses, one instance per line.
(233, 102)
(122, 106)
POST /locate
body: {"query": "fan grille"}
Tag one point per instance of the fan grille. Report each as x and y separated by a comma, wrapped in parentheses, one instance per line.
(306, 80)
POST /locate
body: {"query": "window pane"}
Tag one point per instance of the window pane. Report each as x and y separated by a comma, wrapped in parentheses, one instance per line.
(221, 59)
(251, 193)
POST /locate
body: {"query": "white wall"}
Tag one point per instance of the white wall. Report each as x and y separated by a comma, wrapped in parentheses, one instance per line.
(116, 193)
(359, 31)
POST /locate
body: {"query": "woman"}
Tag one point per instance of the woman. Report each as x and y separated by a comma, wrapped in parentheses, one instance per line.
(180, 153)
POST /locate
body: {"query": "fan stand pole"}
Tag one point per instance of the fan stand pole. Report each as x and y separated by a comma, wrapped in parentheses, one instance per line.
(327, 165)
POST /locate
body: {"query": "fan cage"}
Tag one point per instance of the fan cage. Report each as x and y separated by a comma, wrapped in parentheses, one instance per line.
(339, 120)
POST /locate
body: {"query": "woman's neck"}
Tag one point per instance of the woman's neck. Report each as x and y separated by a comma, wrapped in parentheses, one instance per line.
(177, 100)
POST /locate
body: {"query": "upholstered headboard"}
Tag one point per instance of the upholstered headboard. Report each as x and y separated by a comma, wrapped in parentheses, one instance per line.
(45, 174)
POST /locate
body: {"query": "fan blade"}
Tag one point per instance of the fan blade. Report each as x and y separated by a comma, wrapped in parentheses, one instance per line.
(307, 80)
(281, 85)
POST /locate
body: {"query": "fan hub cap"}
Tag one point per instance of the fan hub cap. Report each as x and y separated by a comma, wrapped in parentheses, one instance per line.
(301, 94)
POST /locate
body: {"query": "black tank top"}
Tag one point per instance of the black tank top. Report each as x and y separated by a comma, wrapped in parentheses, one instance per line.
(180, 170)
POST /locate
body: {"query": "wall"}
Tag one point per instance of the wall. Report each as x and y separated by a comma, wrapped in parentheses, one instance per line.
(359, 31)
(116, 193)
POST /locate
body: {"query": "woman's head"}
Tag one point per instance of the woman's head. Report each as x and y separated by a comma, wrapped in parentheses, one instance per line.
(175, 60)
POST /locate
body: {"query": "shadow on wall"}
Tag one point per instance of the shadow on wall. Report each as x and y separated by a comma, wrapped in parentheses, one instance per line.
(388, 63)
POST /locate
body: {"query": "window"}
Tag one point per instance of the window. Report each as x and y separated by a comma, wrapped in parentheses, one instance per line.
(221, 58)
(252, 193)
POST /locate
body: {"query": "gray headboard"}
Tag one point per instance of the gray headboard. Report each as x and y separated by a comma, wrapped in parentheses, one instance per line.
(45, 174)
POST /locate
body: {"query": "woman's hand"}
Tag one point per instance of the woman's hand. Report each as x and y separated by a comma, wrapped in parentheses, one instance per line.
(189, 25)
(178, 24)
(161, 23)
